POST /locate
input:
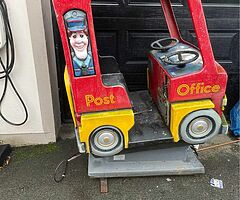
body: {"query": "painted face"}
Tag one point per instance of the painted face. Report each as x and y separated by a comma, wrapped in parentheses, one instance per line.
(79, 43)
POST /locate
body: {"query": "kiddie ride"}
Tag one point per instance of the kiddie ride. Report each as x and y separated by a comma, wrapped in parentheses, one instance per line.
(184, 102)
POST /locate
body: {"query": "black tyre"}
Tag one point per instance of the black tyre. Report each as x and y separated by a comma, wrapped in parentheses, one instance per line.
(200, 126)
(106, 141)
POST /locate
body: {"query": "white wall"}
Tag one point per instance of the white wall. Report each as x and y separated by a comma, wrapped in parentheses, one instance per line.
(33, 64)
(49, 36)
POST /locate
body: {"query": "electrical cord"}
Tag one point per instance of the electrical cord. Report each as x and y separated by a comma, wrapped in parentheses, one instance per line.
(7, 67)
(218, 145)
(194, 150)
(64, 163)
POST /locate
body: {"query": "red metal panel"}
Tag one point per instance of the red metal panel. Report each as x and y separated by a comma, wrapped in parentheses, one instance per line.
(201, 85)
(89, 93)
(209, 83)
(200, 26)
(170, 19)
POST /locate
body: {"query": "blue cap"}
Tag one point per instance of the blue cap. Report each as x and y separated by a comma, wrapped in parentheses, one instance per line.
(76, 24)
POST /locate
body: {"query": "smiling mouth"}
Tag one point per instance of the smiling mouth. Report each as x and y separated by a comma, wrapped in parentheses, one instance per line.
(80, 46)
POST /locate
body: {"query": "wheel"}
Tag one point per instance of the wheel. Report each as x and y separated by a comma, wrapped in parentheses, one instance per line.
(106, 141)
(200, 126)
(181, 57)
(164, 44)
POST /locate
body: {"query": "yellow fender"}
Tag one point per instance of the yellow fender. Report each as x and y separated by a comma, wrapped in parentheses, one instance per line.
(181, 109)
(121, 119)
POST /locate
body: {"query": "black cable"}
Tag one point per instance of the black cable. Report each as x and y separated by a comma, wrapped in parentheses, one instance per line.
(64, 163)
(8, 66)
(194, 150)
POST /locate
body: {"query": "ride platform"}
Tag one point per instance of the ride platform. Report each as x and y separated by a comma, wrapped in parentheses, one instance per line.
(151, 149)
(171, 160)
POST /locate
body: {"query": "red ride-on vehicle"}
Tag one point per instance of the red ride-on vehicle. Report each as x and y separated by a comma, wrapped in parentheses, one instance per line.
(186, 94)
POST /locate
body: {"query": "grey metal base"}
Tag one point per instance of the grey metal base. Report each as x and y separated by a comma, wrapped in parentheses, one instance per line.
(179, 160)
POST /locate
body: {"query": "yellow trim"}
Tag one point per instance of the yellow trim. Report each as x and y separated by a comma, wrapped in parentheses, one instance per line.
(224, 102)
(180, 110)
(69, 94)
(121, 119)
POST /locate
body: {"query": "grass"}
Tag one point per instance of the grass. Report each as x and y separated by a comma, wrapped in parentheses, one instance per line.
(23, 153)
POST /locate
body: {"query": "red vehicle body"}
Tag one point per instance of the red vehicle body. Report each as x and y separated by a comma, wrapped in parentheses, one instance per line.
(89, 85)
(185, 82)
(209, 82)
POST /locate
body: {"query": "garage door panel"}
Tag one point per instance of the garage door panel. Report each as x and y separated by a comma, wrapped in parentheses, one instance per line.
(232, 90)
(107, 42)
(139, 43)
(148, 2)
(225, 47)
(106, 2)
(133, 79)
(222, 44)
(126, 28)
(136, 67)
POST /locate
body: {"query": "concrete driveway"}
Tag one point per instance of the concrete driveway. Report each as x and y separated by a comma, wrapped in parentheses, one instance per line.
(30, 176)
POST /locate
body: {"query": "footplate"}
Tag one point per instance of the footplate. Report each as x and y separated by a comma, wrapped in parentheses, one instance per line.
(149, 126)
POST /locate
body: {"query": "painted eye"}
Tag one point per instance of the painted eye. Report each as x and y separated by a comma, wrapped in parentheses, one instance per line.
(74, 36)
(81, 35)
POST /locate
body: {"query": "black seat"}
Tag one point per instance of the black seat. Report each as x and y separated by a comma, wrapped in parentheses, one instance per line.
(111, 74)
(108, 65)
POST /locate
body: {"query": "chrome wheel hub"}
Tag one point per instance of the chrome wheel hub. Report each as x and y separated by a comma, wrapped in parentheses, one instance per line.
(200, 127)
(106, 139)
